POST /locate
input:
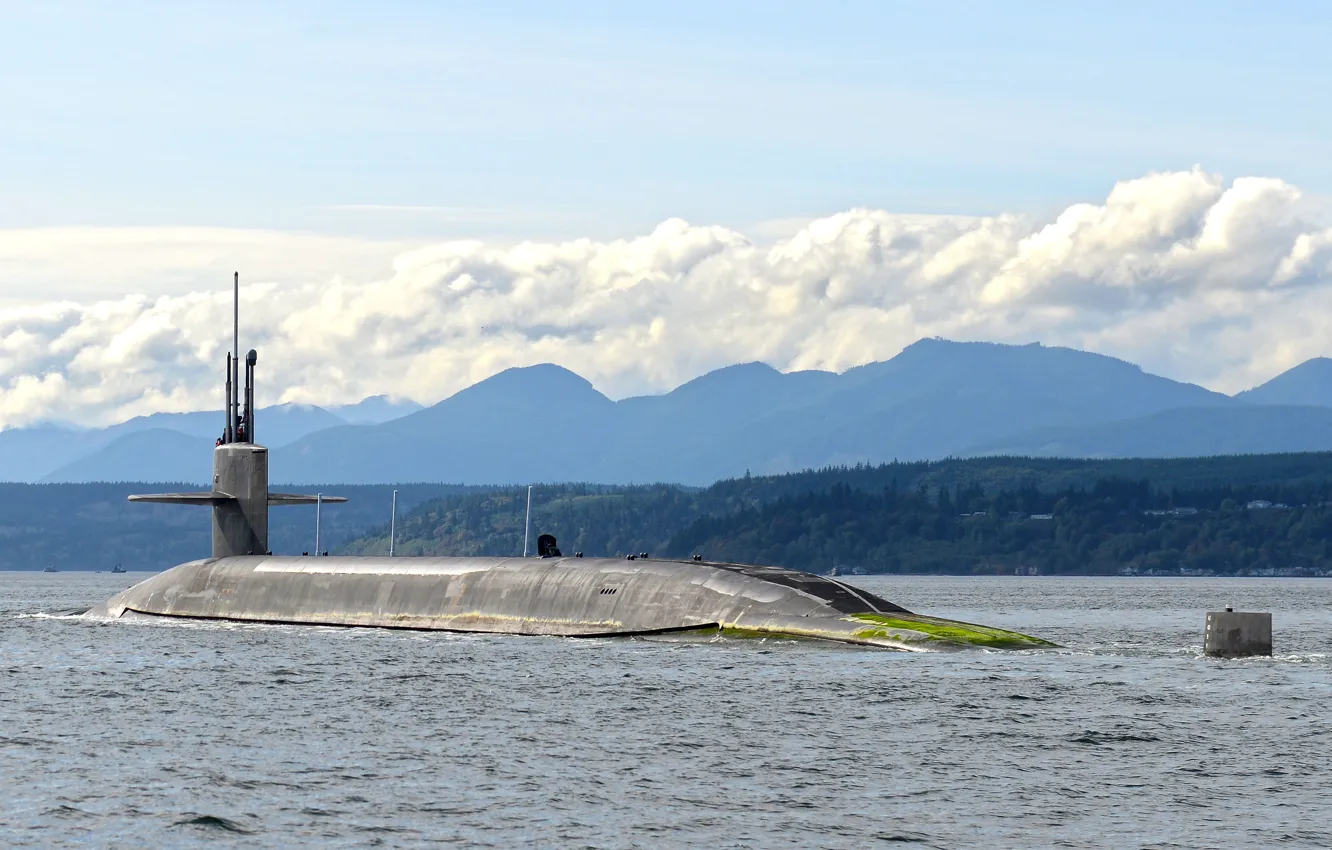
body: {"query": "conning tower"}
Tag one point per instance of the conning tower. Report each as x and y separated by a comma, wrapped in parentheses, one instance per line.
(239, 496)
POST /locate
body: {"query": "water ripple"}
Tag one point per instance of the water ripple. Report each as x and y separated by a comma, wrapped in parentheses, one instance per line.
(176, 733)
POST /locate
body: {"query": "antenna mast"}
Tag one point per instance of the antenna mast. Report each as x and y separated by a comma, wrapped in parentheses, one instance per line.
(232, 402)
(229, 432)
(527, 527)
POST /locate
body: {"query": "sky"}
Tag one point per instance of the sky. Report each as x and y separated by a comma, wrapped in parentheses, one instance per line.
(644, 192)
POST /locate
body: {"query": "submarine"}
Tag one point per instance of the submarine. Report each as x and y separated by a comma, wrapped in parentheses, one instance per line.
(550, 594)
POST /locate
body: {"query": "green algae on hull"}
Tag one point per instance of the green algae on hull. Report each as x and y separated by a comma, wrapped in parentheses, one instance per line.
(754, 634)
(887, 627)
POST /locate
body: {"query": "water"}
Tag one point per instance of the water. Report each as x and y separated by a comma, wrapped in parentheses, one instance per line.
(181, 734)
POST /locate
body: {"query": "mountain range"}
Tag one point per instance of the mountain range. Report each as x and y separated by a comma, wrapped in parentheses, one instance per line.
(161, 446)
(935, 399)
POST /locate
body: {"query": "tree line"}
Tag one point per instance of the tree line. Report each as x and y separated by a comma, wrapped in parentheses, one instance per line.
(1112, 526)
(984, 515)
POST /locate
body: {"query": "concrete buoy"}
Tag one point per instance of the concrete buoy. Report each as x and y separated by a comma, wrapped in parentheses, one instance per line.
(1237, 634)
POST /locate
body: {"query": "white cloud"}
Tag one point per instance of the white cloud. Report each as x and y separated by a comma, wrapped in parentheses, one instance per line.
(1224, 284)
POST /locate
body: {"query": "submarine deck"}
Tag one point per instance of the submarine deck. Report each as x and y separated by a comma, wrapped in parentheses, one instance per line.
(548, 596)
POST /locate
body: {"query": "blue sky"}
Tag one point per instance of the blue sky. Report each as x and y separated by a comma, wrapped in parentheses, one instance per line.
(1146, 180)
(428, 120)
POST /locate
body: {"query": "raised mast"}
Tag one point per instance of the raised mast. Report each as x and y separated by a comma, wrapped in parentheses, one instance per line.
(233, 403)
(250, 359)
(229, 432)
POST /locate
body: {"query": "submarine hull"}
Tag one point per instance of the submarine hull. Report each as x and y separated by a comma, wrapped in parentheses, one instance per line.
(573, 597)
(576, 597)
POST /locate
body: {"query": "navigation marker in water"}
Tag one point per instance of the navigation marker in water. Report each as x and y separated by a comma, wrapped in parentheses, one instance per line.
(1237, 634)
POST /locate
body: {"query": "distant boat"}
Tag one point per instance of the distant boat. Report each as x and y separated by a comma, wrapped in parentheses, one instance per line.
(117, 569)
(50, 569)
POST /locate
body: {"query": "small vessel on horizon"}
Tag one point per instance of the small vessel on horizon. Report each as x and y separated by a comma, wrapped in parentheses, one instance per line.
(117, 569)
(50, 568)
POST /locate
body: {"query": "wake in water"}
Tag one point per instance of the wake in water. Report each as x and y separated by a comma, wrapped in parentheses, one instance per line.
(214, 822)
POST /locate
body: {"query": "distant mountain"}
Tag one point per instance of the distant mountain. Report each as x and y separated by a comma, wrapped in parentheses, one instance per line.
(544, 423)
(107, 454)
(56, 452)
(155, 454)
(374, 410)
(278, 425)
(1309, 383)
(27, 454)
(531, 424)
(710, 423)
(1189, 432)
(935, 399)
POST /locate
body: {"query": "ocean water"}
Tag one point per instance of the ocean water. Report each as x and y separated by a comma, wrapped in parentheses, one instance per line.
(160, 734)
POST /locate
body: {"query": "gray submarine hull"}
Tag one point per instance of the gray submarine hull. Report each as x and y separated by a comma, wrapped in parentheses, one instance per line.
(574, 597)
(244, 582)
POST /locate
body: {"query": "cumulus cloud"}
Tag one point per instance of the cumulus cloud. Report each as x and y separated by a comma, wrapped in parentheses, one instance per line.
(1193, 277)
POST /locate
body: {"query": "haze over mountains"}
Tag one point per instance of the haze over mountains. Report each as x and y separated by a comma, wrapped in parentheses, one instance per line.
(544, 423)
(162, 445)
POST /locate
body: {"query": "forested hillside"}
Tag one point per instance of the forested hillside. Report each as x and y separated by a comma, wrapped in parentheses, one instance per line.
(1113, 526)
(93, 527)
(973, 515)
(1104, 516)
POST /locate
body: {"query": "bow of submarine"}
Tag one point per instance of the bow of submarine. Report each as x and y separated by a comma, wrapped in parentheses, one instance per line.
(576, 597)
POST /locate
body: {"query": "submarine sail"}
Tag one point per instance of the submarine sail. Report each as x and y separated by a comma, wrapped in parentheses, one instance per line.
(243, 581)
